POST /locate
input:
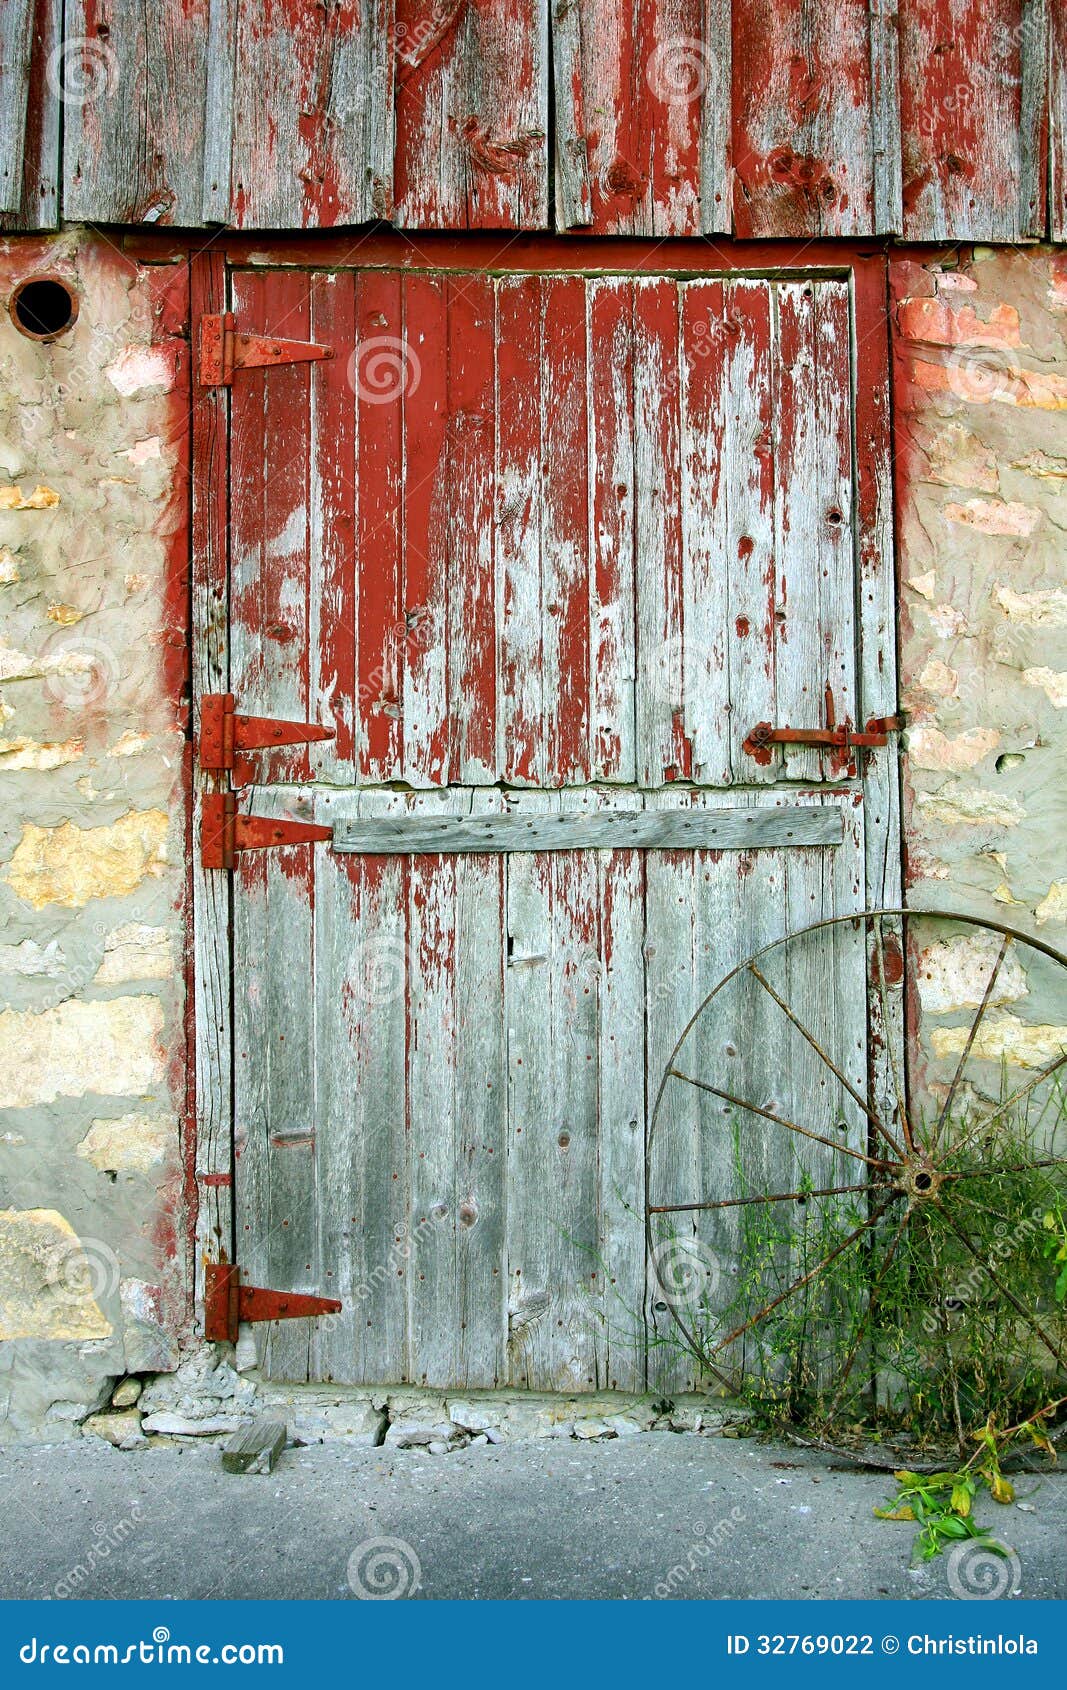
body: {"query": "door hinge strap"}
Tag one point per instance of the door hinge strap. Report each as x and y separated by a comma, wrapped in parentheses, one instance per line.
(223, 732)
(227, 1303)
(223, 833)
(224, 349)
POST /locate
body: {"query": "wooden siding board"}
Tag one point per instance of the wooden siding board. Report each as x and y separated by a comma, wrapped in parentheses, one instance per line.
(803, 121)
(705, 700)
(133, 147)
(641, 95)
(332, 528)
(968, 145)
(1058, 123)
(16, 52)
(311, 141)
(472, 115)
(517, 530)
(564, 530)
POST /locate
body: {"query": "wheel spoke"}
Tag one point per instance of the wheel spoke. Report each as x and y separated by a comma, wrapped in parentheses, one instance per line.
(774, 1197)
(798, 1284)
(872, 1300)
(946, 1107)
(780, 1120)
(834, 1069)
(1010, 1168)
(902, 1113)
(1019, 1307)
(1009, 1102)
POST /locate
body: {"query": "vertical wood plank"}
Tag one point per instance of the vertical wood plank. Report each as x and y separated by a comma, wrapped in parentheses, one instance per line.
(331, 162)
(16, 52)
(332, 527)
(564, 532)
(211, 891)
(1058, 124)
(135, 84)
(472, 115)
(748, 450)
(481, 1140)
(814, 625)
(270, 520)
(964, 127)
(642, 115)
(664, 753)
(612, 630)
(472, 634)
(517, 535)
(705, 677)
(887, 191)
(620, 974)
(428, 749)
(804, 127)
(381, 368)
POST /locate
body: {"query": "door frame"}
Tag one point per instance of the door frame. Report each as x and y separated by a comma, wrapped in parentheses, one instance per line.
(864, 267)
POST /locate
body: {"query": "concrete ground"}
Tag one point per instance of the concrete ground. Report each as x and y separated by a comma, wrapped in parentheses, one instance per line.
(649, 1516)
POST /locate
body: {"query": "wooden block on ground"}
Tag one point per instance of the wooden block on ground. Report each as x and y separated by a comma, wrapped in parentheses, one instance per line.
(256, 1448)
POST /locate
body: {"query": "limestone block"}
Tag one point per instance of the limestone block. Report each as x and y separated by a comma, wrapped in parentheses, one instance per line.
(130, 1143)
(114, 1048)
(71, 865)
(49, 1279)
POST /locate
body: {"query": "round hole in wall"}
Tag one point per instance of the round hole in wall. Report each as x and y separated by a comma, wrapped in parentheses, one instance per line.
(43, 307)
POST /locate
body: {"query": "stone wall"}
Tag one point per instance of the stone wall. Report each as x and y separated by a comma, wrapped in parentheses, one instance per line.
(981, 473)
(93, 545)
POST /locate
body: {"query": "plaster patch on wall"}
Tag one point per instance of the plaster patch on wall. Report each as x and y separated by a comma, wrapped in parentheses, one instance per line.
(953, 974)
(139, 367)
(1053, 906)
(113, 1048)
(929, 748)
(70, 865)
(49, 1279)
(994, 516)
(970, 807)
(1045, 608)
(18, 754)
(129, 1143)
(1052, 683)
(1003, 1038)
(135, 952)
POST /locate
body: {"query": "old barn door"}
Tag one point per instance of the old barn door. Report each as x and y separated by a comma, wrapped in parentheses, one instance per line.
(534, 545)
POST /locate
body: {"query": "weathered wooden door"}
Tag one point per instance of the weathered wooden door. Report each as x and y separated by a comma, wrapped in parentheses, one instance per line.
(533, 544)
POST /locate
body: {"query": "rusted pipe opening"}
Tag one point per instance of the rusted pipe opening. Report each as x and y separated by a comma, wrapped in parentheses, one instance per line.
(43, 307)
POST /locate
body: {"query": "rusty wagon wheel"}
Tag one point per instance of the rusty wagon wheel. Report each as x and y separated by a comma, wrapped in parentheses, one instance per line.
(856, 1177)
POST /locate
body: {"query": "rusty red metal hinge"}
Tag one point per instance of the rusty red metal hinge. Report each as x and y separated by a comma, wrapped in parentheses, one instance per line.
(844, 738)
(224, 349)
(223, 833)
(224, 733)
(227, 1303)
